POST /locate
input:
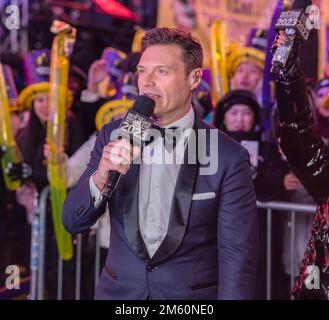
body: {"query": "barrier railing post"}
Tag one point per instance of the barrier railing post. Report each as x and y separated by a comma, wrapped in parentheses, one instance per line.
(269, 254)
(42, 241)
(292, 250)
(34, 255)
(78, 268)
(60, 278)
(38, 245)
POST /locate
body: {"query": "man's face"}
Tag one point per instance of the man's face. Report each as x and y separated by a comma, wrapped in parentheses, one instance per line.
(162, 77)
(246, 77)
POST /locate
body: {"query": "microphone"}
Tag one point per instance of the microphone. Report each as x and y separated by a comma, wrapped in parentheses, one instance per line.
(134, 127)
(294, 23)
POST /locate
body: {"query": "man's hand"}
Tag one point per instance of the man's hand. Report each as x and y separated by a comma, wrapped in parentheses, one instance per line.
(291, 182)
(96, 74)
(117, 155)
(18, 171)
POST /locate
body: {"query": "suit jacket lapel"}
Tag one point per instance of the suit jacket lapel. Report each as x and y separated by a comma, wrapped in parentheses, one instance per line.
(130, 212)
(181, 204)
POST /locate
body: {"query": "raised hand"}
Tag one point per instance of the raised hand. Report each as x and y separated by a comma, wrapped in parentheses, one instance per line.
(96, 74)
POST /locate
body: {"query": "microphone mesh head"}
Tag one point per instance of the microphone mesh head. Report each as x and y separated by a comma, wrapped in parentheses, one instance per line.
(144, 105)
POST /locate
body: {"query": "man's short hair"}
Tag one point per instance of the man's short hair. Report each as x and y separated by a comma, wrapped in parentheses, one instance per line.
(191, 47)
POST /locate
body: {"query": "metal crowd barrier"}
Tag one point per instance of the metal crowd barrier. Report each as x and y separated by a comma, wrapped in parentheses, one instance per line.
(38, 239)
(281, 206)
(37, 260)
(38, 254)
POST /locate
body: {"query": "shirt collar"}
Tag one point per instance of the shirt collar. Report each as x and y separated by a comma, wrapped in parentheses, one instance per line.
(185, 122)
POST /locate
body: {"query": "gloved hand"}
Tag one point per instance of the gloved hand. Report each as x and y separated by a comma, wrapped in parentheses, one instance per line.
(291, 92)
(19, 171)
(293, 70)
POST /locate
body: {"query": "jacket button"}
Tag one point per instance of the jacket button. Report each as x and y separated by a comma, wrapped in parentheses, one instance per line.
(80, 210)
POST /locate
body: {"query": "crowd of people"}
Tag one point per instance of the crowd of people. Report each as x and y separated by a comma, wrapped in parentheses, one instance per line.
(277, 174)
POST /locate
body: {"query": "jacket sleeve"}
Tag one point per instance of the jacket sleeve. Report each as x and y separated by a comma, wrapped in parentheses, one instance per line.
(237, 231)
(79, 213)
(307, 155)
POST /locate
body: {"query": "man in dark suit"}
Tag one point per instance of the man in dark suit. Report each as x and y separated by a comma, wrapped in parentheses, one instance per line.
(182, 230)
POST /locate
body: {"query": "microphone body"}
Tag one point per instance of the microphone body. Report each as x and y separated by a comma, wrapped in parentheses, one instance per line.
(134, 127)
(294, 22)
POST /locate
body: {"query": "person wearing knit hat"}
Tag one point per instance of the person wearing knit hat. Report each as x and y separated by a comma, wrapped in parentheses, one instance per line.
(238, 115)
(34, 97)
(244, 70)
(111, 60)
(37, 73)
(30, 139)
(245, 67)
(125, 85)
(238, 111)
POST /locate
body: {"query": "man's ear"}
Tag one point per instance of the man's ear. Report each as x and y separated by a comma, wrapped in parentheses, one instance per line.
(195, 78)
